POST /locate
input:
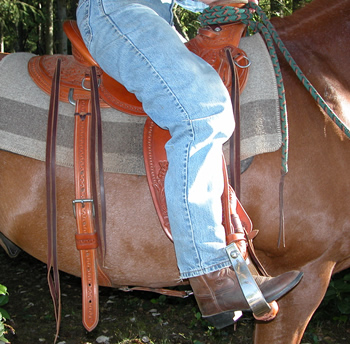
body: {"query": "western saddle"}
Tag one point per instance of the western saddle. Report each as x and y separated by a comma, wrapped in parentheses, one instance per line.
(79, 80)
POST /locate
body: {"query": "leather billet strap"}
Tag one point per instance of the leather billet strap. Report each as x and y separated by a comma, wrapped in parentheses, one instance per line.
(235, 139)
(86, 237)
(97, 128)
(91, 236)
(168, 292)
(51, 206)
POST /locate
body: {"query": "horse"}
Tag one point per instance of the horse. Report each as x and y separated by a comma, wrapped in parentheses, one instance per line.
(316, 201)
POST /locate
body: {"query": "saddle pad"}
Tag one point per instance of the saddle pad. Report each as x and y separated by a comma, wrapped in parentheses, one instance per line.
(24, 108)
(23, 122)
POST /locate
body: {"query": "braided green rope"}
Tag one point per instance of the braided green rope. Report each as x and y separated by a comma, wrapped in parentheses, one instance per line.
(227, 14)
(299, 73)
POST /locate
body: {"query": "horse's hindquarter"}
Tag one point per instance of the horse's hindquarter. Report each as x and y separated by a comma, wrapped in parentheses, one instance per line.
(315, 200)
(138, 252)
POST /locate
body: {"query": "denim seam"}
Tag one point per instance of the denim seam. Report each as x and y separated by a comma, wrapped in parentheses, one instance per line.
(87, 27)
(185, 200)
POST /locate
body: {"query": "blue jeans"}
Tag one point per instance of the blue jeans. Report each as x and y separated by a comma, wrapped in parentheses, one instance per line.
(134, 42)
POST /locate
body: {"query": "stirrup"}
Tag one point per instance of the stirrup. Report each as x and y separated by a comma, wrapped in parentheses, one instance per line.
(250, 289)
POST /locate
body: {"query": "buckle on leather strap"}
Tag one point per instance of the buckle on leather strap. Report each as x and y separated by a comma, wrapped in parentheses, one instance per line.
(83, 201)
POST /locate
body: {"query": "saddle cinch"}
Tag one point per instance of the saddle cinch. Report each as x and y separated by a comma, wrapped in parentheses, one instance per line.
(78, 79)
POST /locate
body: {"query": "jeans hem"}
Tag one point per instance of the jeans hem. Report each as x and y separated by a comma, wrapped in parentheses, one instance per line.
(203, 271)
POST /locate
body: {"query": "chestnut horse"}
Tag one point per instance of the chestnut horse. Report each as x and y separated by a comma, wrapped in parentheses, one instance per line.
(316, 197)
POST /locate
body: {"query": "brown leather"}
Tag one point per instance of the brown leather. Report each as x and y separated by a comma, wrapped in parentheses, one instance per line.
(74, 68)
(235, 139)
(156, 165)
(219, 291)
(79, 50)
(51, 205)
(211, 44)
(87, 240)
(234, 219)
(169, 292)
(96, 133)
(232, 205)
(84, 213)
(233, 225)
(41, 69)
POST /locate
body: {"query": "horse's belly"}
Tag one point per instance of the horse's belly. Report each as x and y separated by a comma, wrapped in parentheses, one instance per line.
(138, 251)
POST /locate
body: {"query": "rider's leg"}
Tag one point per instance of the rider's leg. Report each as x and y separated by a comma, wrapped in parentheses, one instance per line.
(134, 43)
(182, 93)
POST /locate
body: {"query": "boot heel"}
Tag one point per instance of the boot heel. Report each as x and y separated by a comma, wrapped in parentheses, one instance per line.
(224, 319)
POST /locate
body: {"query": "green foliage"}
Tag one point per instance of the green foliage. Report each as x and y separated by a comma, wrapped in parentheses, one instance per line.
(281, 8)
(19, 24)
(3, 314)
(160, 300)
(14, 11)
(22, 22)
(186, 22)
(337, 298)
(9, 12)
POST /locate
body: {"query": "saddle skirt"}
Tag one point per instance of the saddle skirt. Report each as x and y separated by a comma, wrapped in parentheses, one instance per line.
(75, 83)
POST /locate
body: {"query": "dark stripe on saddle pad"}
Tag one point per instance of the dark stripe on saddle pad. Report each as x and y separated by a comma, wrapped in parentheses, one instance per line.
(24, 108)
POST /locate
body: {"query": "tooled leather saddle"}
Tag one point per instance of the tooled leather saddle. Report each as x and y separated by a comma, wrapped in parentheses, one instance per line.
(218, 45)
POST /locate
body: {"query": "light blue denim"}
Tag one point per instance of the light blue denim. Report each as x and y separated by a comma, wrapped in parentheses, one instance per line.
(134, 42)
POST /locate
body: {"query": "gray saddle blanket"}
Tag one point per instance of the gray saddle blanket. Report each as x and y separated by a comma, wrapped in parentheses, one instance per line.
(24, 109)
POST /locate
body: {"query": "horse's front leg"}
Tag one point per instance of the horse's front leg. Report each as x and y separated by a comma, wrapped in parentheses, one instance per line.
(297, 308)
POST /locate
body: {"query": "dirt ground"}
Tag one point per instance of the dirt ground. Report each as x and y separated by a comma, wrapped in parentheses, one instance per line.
(125, 318)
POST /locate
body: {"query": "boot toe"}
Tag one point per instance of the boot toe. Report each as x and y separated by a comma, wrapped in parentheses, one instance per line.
(273, 288)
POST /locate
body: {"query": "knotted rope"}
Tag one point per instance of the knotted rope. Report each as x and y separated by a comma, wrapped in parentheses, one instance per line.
(227, 14)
